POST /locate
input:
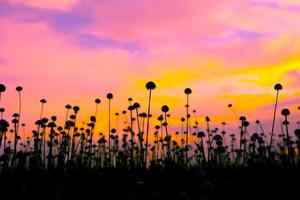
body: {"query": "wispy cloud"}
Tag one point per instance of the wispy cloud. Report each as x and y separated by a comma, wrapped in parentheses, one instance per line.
(58, 5)
(222, 50)
(56, 19)
(90, 40)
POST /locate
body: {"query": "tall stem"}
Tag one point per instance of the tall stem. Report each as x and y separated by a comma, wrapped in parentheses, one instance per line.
(140, 136)
(187, 130)
(287, 139)
(109, 131)
(131, 136)
(166, 127)
(20, 106)
(16, 130)
(147, 128)
(273, 123)
(42, 109)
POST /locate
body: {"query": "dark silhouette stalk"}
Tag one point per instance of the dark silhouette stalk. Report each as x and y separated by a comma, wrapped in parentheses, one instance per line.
(147, 127)
(273, 121)
(140, 133)
(277, 87)
(150, 86)
(109, 97)
(187, 91)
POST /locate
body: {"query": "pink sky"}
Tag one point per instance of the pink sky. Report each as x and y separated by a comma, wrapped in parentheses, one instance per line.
(73, 51)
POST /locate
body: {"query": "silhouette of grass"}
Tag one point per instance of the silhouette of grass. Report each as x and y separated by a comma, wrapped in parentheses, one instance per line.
(72, 148)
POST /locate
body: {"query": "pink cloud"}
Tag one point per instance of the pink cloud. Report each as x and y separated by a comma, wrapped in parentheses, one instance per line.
(49, 4)
(214, 48)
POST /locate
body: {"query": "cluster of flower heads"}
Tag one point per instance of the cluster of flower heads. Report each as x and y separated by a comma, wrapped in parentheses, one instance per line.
(73, 146)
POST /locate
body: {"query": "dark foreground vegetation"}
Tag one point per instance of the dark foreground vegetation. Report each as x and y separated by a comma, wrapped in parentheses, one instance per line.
(65, 159)
(176, 184)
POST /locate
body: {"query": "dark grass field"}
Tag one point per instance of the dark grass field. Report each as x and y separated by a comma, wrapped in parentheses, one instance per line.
(178, 184)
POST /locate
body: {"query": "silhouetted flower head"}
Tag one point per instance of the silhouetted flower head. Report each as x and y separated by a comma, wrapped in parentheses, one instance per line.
(2, 110)
(2, 88)
(278, 86)
(136, 105)
(97, 101)
(43, 101)
(44, 120)
(129, 99)
(218, 137)
(164, 108)
(109, 96)
(187, 91)
(68, 106)
(93, 119)
(54, 118)
(19, 88)
(201, 134)
(229, 105)
(285, 112)
(76, 109)
(242, 118)
(157, 127)
(3, 125)
(51, 125)
(245, 123)
(143, 114)
(130, 107)
(150, 85)
(15, 115)
(72, 116)
(38, 122)
(113, 130)
(207, 118)
(160, 118)
(15, 121)
(285, 122)
(182, 119)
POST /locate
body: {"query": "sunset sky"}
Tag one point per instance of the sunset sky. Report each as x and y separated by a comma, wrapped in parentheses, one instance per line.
(73, 51)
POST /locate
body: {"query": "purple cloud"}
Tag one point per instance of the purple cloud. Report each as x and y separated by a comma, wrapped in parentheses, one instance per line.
(248, 34)
(90, 40)
(67, 22)
(233, 34)
(270, 4)
(276, 5)
(2, 61)
(58, 20)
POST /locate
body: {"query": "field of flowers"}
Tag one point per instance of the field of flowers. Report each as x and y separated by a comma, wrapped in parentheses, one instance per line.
(71, 160)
